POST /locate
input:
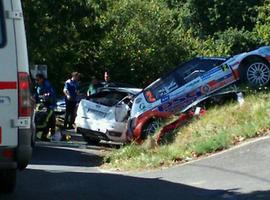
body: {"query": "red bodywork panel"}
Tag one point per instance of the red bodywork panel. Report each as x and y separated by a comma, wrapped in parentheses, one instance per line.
(142, 120)
(183, 118)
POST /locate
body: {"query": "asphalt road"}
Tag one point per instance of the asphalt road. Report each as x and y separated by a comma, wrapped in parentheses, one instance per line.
(73, 173)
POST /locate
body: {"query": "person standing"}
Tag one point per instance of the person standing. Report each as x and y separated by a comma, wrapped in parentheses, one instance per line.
(93, 86)
(106, 77)
(44, 92)
(71, 91)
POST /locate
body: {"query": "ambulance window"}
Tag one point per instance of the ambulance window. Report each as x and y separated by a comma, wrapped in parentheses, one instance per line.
(2, 27)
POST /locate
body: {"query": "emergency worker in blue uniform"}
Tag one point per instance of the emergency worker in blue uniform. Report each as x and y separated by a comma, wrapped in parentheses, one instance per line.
(70, 90)
(45, 94)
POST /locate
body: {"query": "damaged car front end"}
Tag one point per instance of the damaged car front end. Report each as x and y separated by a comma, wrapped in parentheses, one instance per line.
(104, 115)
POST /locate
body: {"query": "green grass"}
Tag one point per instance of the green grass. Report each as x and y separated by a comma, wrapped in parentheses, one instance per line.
(220, 128)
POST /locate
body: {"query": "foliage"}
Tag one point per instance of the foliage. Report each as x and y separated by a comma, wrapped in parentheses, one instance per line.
(64, 34)
(209, 17)
(229, 42)
(141, 40)
(262, 27)
(138, 40)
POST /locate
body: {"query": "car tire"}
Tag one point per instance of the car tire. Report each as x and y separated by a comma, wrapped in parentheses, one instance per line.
(255, 73)
(150, 128)
(8, 180)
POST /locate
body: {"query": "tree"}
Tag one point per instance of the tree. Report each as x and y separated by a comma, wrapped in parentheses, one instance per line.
(209, 17)
(64, 34)
(262, 28)
(140, 42)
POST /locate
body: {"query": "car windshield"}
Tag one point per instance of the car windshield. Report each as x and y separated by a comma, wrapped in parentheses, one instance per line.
(108, 98)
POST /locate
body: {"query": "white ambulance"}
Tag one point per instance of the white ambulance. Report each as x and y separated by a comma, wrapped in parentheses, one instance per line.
(15, 96)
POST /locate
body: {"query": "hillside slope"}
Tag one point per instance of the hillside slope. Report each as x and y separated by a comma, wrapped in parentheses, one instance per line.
(220, 128)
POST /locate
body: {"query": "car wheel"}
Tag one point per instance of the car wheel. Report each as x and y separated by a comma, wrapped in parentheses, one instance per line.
(150, 128)
(256, 73)
(8, 180)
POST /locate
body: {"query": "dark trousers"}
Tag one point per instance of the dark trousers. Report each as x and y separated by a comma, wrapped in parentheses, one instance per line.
(49, 125)
(70, 113)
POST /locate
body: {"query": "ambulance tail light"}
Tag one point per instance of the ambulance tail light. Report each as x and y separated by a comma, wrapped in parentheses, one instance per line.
(25, 106)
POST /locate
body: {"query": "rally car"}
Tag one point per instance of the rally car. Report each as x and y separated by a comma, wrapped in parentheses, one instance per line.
(192, 83)
(104, 115)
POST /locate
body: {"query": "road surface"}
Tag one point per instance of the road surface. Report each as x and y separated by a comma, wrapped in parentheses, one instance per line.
(73, 173)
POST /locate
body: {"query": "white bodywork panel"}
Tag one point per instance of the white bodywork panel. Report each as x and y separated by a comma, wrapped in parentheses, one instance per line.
(100, 118)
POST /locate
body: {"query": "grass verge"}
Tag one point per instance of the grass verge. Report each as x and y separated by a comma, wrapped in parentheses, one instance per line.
(220, 128)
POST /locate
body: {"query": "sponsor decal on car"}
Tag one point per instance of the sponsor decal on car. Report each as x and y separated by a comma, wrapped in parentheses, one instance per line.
(214, 84)
(176, 104)
(194, 93)
(193, 83)
(165, 98)
(138, 100)
(221, 82)
(142, 107)
(205, 89)
(225, 67)
(210, 73)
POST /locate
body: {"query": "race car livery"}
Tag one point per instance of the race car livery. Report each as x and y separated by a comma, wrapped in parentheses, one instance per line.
(193, 82)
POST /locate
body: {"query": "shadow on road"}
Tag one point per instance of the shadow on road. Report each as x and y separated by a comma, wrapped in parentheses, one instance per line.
(43, 185)
(207, 167)
(65, 157)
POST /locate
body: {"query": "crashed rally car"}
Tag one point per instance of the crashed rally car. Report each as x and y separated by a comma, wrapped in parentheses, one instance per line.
(192, 83)
(104, 115)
